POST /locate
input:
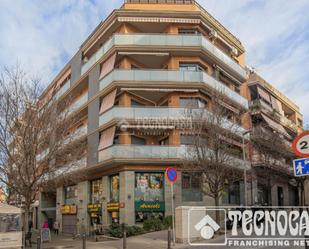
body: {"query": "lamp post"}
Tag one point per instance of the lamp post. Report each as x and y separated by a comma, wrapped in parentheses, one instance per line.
(245, 169)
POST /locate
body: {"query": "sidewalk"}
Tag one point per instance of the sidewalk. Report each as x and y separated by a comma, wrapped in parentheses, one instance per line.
(154, 240)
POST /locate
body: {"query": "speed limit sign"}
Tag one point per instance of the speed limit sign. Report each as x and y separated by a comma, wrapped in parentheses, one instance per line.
(300, 144)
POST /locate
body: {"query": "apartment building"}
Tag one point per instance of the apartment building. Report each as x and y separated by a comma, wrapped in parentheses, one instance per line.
(276, 121)
(131, 80)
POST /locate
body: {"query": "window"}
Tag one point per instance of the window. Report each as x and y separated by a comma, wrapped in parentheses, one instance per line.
(191, 67)
(70, 194)
(114, 188)
(116, 140)
(136, 103)
(96, 190)
(149, 186)
(164, 141)
(232, 193)
(187, 140)
(138, 140)
(192, 103)
(191, 189)
(188, 31)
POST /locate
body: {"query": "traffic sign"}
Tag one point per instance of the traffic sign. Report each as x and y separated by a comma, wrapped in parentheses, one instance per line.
(300, 144)
(171, 174)
(301, 167)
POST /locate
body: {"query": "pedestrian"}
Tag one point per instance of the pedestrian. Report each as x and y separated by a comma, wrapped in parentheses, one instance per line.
(56, 227)
(45, 225)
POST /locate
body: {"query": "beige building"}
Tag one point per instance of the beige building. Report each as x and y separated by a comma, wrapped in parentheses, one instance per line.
(145, 62)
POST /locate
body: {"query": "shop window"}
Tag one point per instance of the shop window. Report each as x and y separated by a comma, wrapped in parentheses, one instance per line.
(149, 186)
(114, 188)
(191, 67)
(149, 196)
(138, 140)
(191, 189)
(70, 194)
(231, 193)
(96, 190)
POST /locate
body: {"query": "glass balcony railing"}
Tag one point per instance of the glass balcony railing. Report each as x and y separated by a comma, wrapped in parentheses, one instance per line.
(70, 167)
(164, 116)
(181, 77)
(165, 40)
(140, 152)
(78, 103)
(76, 134)
(65, 87)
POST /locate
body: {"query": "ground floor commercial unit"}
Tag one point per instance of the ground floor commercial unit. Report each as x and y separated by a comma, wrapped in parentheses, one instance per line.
(131, 196)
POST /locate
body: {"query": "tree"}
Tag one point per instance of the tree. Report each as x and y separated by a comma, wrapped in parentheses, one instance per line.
(34, 140)
(216, 149)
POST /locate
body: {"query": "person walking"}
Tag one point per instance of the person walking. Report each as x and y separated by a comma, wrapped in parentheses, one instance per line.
(56, 227)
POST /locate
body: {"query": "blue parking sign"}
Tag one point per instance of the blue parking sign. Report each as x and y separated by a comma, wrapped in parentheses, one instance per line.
(301, 167)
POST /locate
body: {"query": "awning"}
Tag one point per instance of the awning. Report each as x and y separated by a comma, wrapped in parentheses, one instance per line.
(158, 90)
(263, 94)
(275, 126)
(158, 19)
(107, 138)
(108, 66)
(108, 101)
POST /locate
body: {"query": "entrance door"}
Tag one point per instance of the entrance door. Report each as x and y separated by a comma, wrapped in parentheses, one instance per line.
(69, 223)
(280, 196)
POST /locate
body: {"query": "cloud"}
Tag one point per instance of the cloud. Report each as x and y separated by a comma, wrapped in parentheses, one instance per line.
(275, 34)
(44, 35)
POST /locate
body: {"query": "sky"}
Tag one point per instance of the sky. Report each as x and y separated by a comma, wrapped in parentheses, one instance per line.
(42, 36)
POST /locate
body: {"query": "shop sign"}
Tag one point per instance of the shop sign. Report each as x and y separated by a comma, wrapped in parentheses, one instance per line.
(94, 207)
(69, 209)
(149, 206)
(113, 206)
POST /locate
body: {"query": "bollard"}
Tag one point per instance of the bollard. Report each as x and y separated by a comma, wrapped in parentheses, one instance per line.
(169, 238)
(38, 240)
(84, 241)
(124, 240)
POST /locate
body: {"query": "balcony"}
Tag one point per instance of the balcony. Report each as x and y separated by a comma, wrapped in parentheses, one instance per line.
(63, 89)
(69, 168)
(78, 133)
(156, 152)
(179, 77)
(163, 116)
(78, 103)
(164, 41)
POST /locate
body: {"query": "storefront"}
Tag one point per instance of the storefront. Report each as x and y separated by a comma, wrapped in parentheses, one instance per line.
(69, 219)
(69, 210)
(113, 205)
(94, 208)
(149, 196)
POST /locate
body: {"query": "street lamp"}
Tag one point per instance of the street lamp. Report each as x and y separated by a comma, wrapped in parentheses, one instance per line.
(245, 169)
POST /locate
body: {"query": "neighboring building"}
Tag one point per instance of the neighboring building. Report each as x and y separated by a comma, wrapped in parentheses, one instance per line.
(278, 119)
(146, 62)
